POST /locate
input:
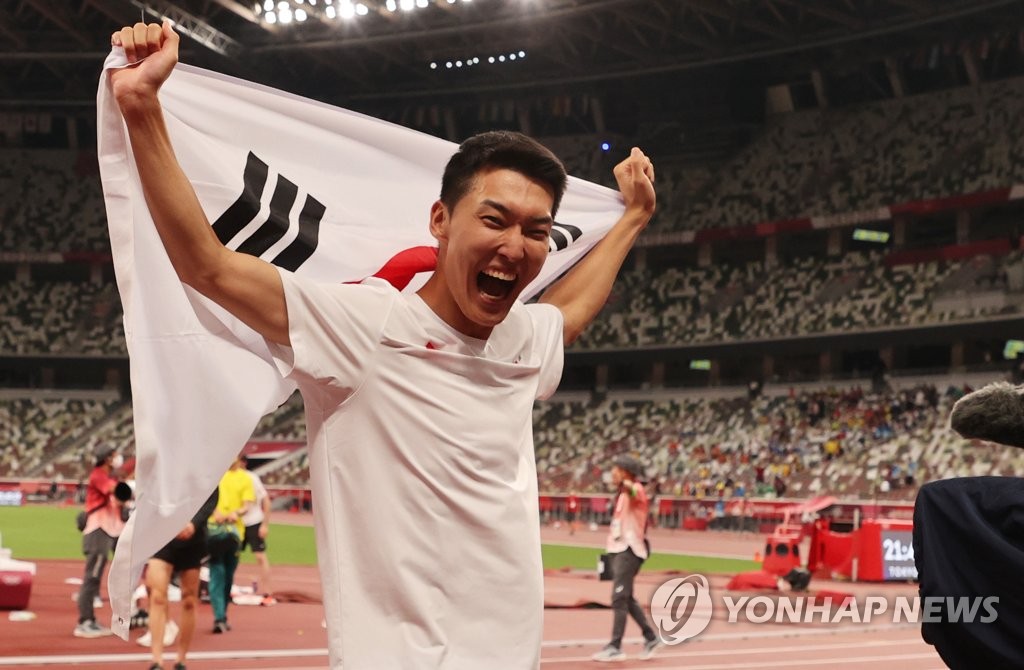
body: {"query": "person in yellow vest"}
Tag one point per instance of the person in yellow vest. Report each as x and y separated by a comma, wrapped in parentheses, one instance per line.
(237, 495)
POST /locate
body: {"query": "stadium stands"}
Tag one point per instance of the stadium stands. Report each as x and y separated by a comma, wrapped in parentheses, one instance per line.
(856, 291)
(52, 202)
(822, 162)
(826, 440)
(836, 441)
(721, 302)
(36, 431)
(63, 317)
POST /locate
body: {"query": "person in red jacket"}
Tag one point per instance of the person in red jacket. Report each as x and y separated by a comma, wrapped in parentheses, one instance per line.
(103, 525)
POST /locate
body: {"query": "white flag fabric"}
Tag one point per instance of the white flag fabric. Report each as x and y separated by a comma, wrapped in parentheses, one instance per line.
(328, 193)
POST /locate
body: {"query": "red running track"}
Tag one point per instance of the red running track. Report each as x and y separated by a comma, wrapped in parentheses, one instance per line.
(289, 635)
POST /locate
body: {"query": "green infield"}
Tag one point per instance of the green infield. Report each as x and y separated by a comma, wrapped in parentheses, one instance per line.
(42, 532)
(566, 556)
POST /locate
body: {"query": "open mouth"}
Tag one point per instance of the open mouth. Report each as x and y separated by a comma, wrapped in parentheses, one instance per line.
(496, 285)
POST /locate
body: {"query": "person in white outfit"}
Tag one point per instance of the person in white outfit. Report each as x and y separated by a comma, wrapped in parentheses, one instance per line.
(257, 526)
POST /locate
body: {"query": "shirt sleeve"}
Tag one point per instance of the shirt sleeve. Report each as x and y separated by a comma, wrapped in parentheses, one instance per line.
(334, 330)
(548, 328)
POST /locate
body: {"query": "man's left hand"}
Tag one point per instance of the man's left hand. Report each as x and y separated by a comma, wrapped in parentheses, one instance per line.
(635, 177)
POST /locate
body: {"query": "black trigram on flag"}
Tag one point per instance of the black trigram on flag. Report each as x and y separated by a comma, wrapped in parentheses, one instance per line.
(243, 210)
(562, 235)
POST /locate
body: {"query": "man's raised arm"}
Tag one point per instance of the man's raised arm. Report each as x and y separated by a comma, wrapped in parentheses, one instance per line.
(583, 291)
(246, 286)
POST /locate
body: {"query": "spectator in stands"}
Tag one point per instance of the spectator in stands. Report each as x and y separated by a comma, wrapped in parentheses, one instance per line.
(103, 524)
(236, 496)
(628, 546)
(257, 525)
(182, 555)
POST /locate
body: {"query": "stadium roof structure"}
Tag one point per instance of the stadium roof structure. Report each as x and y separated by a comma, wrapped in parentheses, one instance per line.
(381, 50)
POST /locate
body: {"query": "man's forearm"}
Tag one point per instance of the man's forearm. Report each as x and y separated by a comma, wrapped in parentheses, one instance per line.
(184, 229)
(584, 290)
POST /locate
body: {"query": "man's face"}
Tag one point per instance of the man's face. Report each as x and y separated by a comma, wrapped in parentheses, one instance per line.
(492, 245)
(618, 475)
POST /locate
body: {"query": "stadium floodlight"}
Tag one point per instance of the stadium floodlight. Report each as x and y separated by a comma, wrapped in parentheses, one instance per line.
(391, 5)
(269, 5)
(433, 65)
(361, 9)
(501, 58)
(300, 14)
(407, 5)
(285, 16)
(330, 12)
(270, 17)
(422, 3)
(257, 9)
(605, 146)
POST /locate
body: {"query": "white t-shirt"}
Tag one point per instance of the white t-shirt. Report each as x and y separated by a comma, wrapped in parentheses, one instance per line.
(255, 513)
(423, 475)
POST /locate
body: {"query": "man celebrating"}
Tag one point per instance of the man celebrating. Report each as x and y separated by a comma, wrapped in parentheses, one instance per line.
(418, 406)
(628, 547)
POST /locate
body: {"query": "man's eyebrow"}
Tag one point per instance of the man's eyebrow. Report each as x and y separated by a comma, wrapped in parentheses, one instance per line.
(493, 204)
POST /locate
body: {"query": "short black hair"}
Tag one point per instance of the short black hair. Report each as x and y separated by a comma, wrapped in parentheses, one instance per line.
(502, 149)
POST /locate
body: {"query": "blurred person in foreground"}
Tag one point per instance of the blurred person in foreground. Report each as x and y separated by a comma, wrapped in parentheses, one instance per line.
(628, 548)
(182, 555)
(418, 405)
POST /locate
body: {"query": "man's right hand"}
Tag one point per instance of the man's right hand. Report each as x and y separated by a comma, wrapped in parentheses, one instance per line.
(158, 46)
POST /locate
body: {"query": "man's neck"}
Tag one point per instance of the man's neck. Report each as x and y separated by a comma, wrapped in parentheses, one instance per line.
(436, 296)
